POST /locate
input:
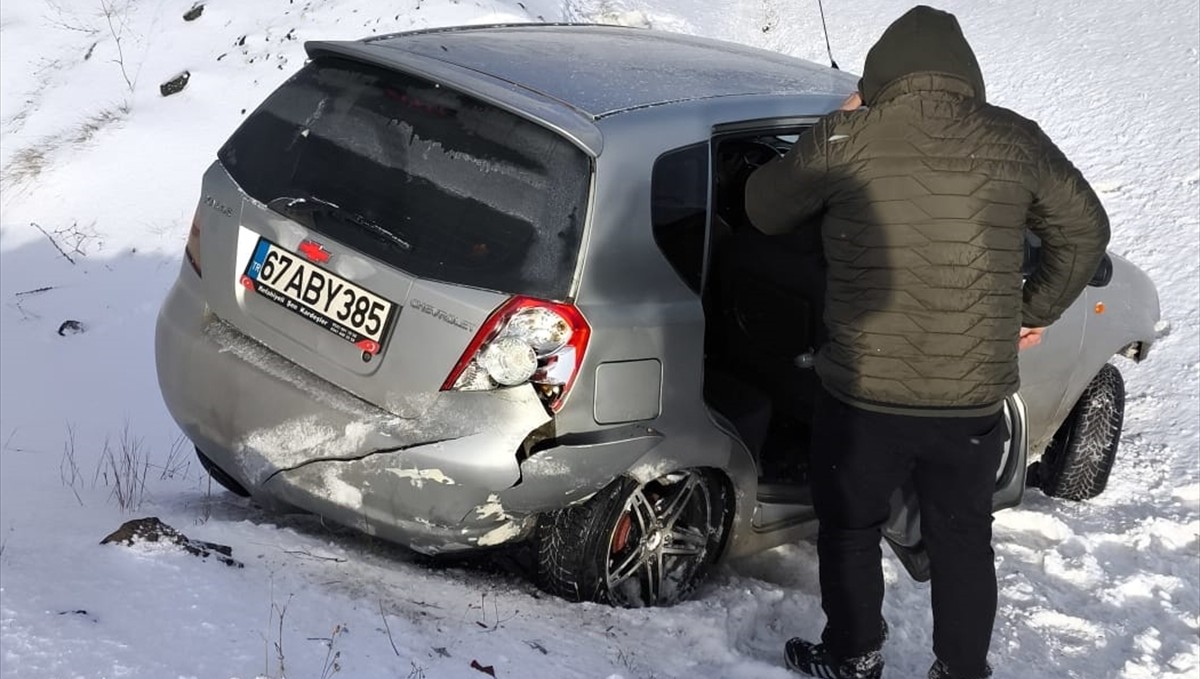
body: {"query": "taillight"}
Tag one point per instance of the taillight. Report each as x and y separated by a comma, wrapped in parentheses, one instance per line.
(525, 340)
(192, 251)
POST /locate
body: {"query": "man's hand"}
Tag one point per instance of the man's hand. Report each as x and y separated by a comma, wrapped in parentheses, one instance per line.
(1030, 337)
(852, 102)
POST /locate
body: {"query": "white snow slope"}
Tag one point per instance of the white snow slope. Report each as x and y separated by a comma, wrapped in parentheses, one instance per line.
(94, 156)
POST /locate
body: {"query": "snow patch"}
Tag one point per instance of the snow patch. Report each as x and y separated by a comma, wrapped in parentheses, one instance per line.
(491, 508)
(418, 477)
(635, 18)
(295, 442)
(649, 471)
(338, 491)
(501, 535)
(1188, 494)
(544, 465)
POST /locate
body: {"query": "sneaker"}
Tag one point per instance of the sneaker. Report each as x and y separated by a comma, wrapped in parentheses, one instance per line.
(816, 661)
(941, 671)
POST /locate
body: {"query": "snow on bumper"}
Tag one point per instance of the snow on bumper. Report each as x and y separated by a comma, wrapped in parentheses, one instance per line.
(434, 498)
(461, 494)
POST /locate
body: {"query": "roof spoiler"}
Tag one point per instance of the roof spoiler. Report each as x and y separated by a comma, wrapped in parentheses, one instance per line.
(556, 115)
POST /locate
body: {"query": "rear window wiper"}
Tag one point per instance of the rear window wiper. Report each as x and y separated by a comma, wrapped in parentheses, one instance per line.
(310, 204)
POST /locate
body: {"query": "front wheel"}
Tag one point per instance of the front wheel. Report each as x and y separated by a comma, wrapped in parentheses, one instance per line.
(635, 544)
(1079, 459)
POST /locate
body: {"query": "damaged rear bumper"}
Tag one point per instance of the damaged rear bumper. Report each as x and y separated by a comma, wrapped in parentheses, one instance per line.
(446, 497)
(453, 474)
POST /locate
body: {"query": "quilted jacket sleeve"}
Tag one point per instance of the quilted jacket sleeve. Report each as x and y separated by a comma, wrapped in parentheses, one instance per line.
(787, 191)
(1074, 229)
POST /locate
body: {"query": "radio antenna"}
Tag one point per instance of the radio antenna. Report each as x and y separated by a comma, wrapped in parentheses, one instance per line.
(824, 28)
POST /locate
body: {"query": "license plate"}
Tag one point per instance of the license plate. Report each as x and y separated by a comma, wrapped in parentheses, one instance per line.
(355, 314)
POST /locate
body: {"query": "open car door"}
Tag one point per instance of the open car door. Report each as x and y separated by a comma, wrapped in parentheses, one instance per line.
(903, 530)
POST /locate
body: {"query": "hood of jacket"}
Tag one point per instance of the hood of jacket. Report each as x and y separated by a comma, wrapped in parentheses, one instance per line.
(923, 41)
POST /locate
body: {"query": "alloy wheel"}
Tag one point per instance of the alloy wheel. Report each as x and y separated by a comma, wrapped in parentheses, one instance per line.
(661, 539)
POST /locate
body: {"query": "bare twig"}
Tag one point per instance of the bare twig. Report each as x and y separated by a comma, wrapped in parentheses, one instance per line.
(301, 552)
(482, 622)
(26, 314)
(8, 444)
(4, 542)
(68, 469)
(332, 666)
(537, 646)
(281, 611)
(496, 613)
(69, 240)
(125, 469)
(178, 462)
(207, 480)
(53, 242)
(109, 10)
(66, 20)
(388, 629)
(26, 295)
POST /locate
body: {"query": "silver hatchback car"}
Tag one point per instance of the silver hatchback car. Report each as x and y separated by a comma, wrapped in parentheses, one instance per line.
(477, 286)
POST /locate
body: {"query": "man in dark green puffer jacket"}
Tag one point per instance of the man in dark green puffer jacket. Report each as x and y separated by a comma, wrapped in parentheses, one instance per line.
(926, 191)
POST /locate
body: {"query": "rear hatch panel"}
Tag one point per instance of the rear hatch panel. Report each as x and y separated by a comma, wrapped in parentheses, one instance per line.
(416, 198)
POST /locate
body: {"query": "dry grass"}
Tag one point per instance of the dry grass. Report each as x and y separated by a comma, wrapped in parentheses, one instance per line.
(68, 468)
(333, 657)
(25, 166)
(87, 129)
(124, 467)
(179, 460)
(29, 163)
(273, 640)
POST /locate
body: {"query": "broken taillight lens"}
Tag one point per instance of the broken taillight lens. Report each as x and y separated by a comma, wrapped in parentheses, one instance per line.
(192, 251)
(525, 340)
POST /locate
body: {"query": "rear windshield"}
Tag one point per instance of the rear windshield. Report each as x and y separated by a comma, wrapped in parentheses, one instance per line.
(428, 179)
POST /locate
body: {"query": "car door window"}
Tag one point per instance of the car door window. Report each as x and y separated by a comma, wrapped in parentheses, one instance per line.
(767, 291)
(679, 209)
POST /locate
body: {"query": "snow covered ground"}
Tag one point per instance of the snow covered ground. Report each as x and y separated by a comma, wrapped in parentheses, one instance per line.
(92, 155)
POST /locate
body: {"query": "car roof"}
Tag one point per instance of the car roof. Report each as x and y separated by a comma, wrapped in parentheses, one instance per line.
(606, 69)
(589, 71)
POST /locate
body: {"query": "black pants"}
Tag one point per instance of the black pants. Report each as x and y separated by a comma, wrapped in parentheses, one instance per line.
(859, 458)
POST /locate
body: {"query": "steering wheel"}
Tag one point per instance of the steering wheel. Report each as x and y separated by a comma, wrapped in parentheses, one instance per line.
(736, 160)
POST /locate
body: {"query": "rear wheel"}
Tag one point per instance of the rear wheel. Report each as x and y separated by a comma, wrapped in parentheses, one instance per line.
(1077, 463)
(635, 544)
(227, 482)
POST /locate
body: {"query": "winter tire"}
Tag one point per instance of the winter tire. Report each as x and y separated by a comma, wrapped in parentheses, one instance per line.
(1078, 460)
(635, 544)
(227, 482)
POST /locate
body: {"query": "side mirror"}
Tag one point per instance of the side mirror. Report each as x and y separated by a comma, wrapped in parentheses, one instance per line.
(1103, 274)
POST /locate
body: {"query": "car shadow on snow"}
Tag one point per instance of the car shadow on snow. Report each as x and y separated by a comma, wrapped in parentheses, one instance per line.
(43, 283)
(78, 337)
